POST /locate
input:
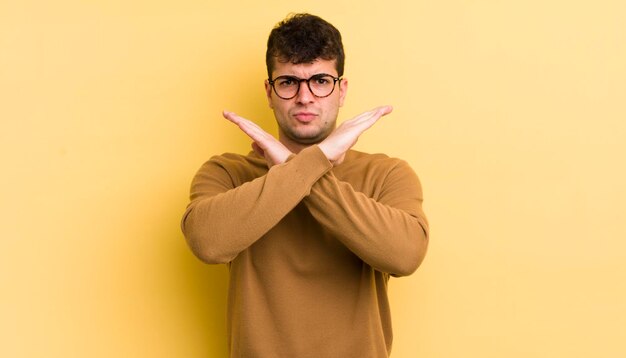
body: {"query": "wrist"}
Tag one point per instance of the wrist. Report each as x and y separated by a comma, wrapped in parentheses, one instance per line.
(324, 147)
(333, 157)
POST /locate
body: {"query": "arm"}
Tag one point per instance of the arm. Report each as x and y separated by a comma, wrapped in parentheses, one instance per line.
(390, 233)
(222, 220)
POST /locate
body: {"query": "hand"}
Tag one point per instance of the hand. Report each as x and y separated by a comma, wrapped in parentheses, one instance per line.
(346, 135)
(263, 143)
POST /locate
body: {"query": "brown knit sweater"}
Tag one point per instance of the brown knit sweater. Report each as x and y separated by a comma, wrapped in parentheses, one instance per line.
(310, 249)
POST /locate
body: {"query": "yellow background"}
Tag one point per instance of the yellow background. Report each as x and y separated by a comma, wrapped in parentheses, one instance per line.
(511, 112)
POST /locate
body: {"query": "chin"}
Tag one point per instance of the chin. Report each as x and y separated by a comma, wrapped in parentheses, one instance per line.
(305, 136)
(308, 139)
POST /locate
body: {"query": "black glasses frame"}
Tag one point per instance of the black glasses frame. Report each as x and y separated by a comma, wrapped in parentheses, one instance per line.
(308, 83)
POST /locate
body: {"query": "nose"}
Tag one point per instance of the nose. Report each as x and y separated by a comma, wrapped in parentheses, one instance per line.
(304, 93)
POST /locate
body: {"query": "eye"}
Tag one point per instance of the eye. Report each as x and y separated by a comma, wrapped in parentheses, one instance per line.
(322, 80)
(286, 81)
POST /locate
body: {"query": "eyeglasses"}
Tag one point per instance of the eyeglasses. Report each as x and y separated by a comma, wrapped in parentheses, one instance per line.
(287, 87)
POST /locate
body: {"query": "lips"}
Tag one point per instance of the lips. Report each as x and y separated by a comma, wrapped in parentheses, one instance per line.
(305, 116)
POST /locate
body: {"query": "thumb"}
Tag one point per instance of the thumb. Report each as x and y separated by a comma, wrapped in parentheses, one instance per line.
(258, 150)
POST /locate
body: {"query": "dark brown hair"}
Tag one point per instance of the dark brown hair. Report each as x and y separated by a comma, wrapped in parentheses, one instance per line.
(303, 38)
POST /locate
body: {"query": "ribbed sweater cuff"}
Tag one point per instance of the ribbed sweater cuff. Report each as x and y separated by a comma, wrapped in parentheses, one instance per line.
(311, 164)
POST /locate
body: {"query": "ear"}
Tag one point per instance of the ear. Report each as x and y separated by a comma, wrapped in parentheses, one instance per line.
(268, 93)
(343, 90)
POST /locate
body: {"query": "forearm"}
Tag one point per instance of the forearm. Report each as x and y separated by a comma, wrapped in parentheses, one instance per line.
(223, 222)
(390, 235)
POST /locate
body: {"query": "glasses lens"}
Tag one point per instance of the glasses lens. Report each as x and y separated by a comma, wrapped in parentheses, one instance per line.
(322, 85)
(286, 87)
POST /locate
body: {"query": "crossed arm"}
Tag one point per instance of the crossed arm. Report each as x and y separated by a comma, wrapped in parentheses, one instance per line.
(389, 233)
(334, 146)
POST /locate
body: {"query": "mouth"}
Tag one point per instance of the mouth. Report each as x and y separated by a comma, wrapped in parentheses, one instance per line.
(304, 117)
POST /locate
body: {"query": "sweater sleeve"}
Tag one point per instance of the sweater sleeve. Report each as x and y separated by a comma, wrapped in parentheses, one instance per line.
(390, 233)
(223, 219)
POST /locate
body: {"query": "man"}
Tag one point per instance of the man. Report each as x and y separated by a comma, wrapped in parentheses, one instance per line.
(310, 229)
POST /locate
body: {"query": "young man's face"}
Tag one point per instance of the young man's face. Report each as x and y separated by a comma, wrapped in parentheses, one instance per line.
(306, 119)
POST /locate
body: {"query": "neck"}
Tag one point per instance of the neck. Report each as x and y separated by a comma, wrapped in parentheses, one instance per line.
(294, 147)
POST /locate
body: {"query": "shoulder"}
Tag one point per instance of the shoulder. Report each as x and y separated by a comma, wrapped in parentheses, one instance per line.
(377, 175)
(366, 171)
(240, 168)
(236, 160)
(374, 161)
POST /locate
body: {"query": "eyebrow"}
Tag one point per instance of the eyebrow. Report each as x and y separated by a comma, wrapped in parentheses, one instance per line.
(300, 78)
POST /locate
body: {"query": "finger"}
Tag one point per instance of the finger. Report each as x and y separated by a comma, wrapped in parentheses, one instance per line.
(372, 114)
(365, 115)
(231, 116)
(385, 110)
(367, 119)
(379, 112)
(376, 114)
(248, 127)
(258, 149)
(240, 121)
(257, 134)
